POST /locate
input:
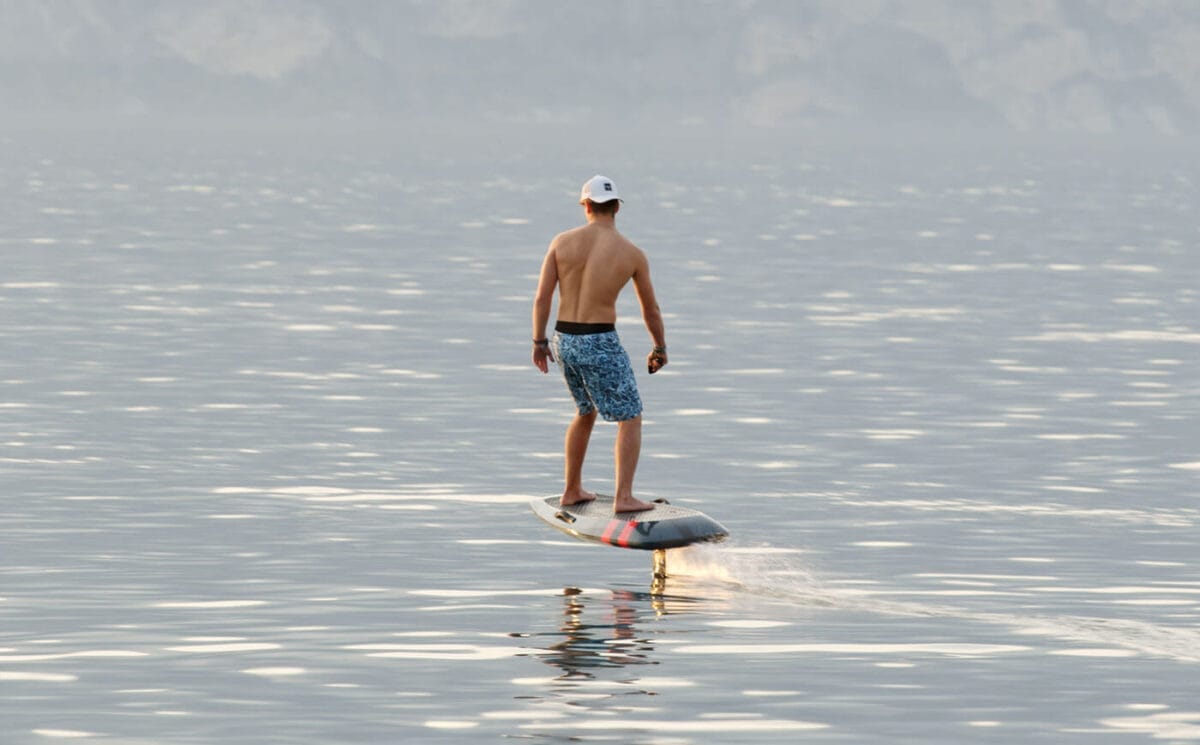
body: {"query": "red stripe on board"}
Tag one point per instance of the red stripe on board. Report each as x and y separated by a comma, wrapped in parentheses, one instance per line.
(611, 528)
(623, 541)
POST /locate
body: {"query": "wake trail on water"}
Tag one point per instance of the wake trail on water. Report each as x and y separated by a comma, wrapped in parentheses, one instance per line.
(760, 570)
(780, 574)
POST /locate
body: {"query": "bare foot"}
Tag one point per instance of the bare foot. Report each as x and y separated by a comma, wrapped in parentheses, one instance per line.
(576, 497)
(631, 505)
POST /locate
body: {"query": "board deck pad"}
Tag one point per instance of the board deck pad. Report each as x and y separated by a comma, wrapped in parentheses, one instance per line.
(665, 526)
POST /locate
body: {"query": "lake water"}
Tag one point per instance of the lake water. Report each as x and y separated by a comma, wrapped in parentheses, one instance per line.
(269, 430)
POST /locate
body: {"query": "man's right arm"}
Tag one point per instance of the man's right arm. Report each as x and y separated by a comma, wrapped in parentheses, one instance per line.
(543, 299)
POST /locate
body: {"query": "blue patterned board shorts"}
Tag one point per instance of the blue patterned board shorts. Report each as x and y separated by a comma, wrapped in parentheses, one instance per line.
(598, 374)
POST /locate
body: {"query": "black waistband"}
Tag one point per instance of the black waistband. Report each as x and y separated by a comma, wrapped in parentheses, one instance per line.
(580, 329)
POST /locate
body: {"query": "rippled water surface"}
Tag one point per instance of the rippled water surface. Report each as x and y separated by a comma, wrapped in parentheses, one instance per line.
(269, 431)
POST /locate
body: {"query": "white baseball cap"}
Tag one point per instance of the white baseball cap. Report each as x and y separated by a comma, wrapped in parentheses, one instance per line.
(598, 189)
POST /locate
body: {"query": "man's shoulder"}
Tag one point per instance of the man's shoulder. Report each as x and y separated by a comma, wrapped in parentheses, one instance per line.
(570, 235)
(627, 249)
(634, 249)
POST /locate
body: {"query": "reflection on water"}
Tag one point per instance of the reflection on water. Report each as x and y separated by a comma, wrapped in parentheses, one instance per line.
(609, 643)
(605, 639)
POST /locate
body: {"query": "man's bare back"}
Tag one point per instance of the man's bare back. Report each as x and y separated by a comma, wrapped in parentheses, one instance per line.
(589, 266)
(594, 263)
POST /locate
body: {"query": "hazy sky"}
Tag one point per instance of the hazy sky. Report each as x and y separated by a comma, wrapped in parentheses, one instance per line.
(1096, 66)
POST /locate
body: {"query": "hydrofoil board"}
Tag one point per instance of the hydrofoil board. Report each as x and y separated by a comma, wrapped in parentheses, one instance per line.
(665, 526)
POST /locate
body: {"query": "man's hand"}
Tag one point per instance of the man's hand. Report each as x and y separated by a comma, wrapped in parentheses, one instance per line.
(542, 356)
(656, 360)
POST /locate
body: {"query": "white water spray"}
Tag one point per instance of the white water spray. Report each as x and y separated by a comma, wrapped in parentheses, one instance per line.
(780, 574)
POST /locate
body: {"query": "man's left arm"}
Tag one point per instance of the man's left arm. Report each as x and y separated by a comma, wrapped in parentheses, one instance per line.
(651, 315)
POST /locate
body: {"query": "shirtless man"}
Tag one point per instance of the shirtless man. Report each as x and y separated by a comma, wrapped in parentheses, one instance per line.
(590, 265)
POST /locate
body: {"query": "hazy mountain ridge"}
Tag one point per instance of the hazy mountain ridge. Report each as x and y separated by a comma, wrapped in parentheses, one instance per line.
(1038, 65)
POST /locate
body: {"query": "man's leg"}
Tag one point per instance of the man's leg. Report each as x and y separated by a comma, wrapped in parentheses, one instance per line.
(626, 452)
(578, 434)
